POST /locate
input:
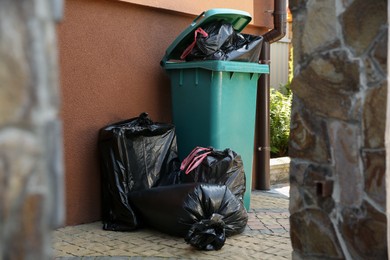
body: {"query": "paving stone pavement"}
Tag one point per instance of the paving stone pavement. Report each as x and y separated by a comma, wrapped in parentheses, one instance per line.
(265, 237)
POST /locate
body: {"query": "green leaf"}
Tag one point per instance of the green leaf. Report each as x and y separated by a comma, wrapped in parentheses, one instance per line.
(280, 113)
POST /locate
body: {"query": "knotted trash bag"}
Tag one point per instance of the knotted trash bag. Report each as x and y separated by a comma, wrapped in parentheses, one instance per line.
(210, 165)
(204, 214)
(135, 154)
(219, 41)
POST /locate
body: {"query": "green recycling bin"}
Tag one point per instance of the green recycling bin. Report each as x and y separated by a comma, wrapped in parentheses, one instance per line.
(214, 101)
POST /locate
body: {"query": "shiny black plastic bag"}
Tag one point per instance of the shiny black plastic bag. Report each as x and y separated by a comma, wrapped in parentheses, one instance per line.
(204, 214)
(220, 37)
(223, 167)
(135, 154)
(224, 43)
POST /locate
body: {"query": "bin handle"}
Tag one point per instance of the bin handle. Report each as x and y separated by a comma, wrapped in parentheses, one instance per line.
(196, 161)
(197, 18)
(189, 157)
(194, 158)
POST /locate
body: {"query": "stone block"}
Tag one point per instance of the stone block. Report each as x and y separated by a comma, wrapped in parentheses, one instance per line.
(19, 154)
(297, 171)
(20, 209)
(303, 188)
(308, 135)
(374, 117)
(326, 86)
(320, 31)
(379, 53)
(314, 196)
(364, 230)
(373, 75)
(374, 176)
(296, 4)
(344, 139)
(361, 23)
(313, 235)
(296, 199)
(13, 92)
(298, 25)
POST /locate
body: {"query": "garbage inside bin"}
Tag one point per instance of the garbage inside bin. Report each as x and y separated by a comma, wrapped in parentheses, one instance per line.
(204, 214)
(136, 154)
(219, 41)
(212, 31)
(209, 165)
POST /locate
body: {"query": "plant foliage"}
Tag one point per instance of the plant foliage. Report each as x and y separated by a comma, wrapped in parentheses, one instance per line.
(280, 113)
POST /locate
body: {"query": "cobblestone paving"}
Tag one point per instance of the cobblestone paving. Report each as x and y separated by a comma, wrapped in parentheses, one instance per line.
(266, 237)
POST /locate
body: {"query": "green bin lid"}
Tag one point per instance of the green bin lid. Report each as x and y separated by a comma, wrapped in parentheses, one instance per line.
(238, 19)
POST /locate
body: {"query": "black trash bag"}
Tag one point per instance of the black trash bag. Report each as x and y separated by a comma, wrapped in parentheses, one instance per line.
(224, 43)
(135, 154)
(204, 214)
(207, 234)
(247, 48)
(220, 37)
(223, 167)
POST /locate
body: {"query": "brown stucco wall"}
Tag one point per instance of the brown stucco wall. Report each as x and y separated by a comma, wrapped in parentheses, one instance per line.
(109, 57)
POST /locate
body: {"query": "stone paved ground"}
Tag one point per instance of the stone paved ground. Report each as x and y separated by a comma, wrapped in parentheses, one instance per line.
(266, 237)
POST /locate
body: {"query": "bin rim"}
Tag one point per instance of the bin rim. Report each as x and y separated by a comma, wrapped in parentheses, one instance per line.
(218, 65)
(239, 20)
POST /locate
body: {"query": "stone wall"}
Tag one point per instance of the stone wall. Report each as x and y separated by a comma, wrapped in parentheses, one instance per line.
(337, 172)
(31, 201)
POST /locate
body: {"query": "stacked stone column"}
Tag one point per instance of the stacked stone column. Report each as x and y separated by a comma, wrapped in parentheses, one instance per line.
(31, 184)
(337, 172)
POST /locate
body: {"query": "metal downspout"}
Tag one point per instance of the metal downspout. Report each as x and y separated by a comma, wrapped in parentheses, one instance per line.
(263, 96)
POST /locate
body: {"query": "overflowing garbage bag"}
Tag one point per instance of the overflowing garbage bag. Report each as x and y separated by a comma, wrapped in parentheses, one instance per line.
(209, 165)
(219, 41)
(135, 154)
(204, 214)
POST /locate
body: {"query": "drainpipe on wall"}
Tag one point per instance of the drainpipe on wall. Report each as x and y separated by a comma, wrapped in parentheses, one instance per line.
(263, 97)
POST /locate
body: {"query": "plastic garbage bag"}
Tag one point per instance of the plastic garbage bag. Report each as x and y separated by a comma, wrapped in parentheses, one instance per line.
(224, 43)
(209, 165)
(204, 214)
(135, 154)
